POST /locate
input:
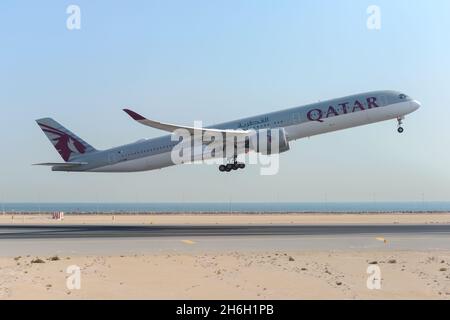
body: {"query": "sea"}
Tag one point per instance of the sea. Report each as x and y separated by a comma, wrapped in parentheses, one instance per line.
(219, 207)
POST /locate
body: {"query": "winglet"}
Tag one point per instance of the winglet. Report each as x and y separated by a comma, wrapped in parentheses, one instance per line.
(134, 115)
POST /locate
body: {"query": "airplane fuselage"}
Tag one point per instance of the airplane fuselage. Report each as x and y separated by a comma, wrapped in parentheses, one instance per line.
(298, 122)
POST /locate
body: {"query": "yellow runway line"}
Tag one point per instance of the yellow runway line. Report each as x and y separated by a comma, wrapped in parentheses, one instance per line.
(381, 239)
(188, 241)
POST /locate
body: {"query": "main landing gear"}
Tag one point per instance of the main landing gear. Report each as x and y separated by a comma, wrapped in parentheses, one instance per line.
(231, 166)
(400, 122)
(234, 165)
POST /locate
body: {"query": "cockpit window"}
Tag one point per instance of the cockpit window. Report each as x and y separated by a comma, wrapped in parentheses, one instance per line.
(403, 96)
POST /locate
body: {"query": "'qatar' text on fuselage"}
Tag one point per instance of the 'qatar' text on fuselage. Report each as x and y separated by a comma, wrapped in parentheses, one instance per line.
(342, 108)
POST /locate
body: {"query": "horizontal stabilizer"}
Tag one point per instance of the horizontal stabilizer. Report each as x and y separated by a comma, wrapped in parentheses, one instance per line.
(61, 164)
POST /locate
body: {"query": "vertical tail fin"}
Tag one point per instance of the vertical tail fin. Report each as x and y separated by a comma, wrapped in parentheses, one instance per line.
(65, 142)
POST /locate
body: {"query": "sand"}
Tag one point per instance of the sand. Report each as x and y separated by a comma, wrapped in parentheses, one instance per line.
(232, 219)
(231, 275)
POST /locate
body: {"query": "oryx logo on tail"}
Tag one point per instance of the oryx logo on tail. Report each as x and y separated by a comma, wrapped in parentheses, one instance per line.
(64, 141)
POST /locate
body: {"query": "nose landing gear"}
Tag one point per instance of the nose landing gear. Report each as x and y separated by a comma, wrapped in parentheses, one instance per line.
(400, 122)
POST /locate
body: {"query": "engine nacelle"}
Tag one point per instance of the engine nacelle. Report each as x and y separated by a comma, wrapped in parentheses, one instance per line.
(268, 141)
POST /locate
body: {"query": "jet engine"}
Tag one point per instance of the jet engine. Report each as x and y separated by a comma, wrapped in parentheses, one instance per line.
(268, 141)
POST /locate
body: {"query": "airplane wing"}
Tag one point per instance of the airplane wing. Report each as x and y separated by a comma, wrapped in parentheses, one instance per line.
(172, 127)
(61, 164)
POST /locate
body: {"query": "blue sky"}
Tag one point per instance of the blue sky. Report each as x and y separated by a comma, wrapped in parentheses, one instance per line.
(180, 61)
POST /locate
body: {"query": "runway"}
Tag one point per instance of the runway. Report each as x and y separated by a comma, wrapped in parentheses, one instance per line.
(142, 239)
(132, 231)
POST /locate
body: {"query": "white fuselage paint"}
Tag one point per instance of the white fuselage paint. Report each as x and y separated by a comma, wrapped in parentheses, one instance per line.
(154, 162)
(294, 132)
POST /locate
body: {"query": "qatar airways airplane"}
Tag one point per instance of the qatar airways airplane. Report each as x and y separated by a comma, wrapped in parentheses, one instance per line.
(289, 125)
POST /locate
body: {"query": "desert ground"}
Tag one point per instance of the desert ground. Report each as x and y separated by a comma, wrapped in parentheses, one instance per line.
(230, 274)
(232, 219)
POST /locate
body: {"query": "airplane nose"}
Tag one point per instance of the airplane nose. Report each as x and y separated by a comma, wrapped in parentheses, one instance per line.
(415, 105)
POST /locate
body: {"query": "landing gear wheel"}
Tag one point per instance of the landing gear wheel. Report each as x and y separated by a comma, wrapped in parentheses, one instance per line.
(231, 166)
(400, 122)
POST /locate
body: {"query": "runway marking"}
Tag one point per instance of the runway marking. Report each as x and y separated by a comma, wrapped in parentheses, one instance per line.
(381, 239)
(212, 239)
(188, 241)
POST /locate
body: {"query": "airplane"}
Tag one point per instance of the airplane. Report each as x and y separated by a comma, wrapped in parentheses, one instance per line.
(290, 125)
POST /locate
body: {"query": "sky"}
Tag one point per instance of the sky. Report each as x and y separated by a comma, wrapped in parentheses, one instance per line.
(214, 61)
